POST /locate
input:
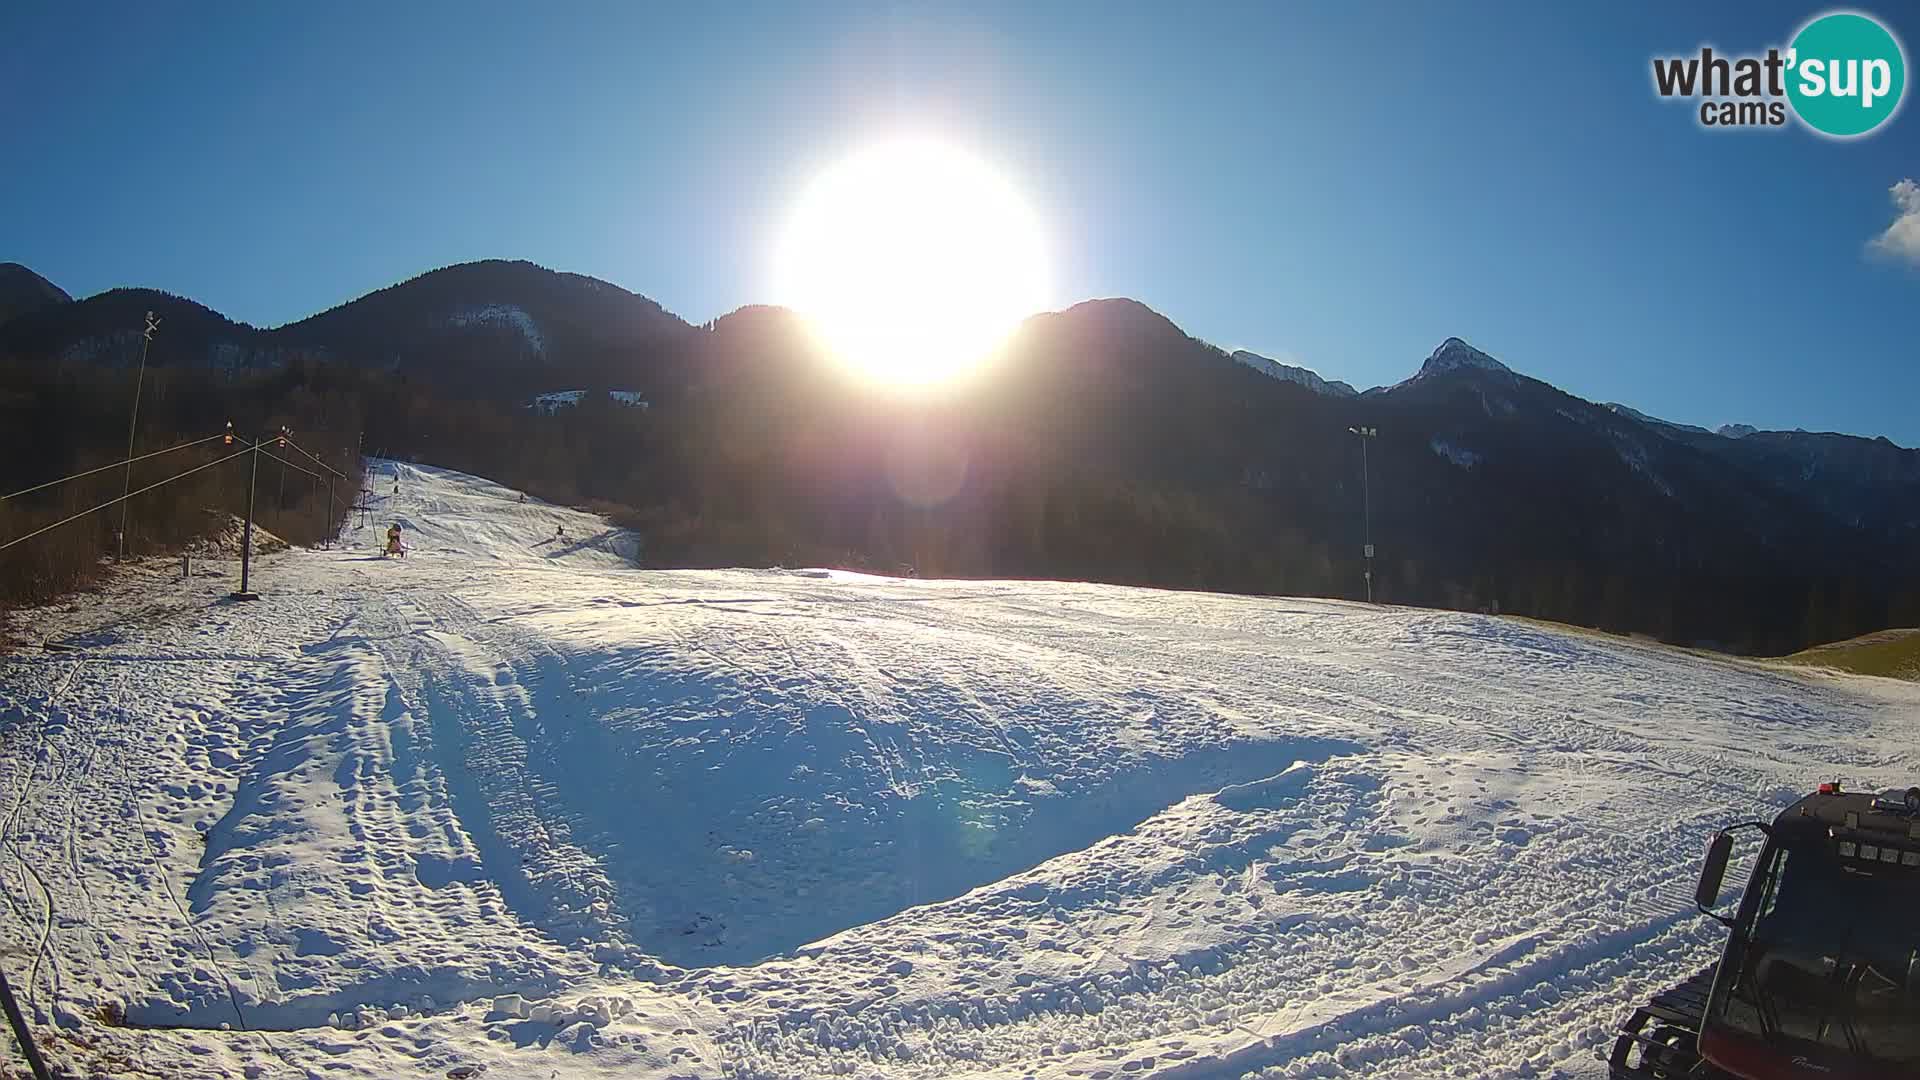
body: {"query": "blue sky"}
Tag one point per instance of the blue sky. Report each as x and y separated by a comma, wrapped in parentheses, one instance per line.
(1344, 185)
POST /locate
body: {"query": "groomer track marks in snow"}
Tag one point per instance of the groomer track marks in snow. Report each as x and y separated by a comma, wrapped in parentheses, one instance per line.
(805, 823)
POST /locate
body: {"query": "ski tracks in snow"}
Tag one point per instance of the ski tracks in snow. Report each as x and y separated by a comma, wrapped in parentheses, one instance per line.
(815, 824)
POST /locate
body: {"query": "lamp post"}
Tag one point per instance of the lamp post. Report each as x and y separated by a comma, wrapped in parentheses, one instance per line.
(1366, 435)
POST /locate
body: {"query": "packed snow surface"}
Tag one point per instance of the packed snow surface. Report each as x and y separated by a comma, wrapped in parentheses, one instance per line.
(515, 807)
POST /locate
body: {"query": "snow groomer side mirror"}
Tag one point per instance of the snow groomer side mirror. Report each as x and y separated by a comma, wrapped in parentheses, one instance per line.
(1713, 871)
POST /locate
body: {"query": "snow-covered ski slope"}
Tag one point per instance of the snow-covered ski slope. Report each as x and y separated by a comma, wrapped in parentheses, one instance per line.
(801, 823)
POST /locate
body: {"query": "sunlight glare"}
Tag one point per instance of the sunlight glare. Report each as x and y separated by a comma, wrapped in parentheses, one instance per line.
(912, 260)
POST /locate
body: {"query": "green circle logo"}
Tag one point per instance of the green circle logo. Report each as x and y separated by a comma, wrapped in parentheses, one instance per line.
(1846, 74)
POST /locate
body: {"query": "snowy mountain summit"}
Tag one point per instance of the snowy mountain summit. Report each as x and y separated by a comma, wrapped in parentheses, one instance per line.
(1456, 355)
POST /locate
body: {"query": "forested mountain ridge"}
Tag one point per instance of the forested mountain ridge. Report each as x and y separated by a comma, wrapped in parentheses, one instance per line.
(1102, 443)
(499, 326)
(23, 291)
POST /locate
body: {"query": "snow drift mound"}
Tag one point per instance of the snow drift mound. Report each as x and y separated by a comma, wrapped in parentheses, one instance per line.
(718, 779)
(712, 780)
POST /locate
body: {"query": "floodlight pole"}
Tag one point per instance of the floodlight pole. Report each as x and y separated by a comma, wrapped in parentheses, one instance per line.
(246, 531)
(133, 424)
(1367, 435)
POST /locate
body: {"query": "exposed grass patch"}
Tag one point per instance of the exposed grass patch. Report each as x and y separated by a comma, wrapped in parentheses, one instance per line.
(1894, 654)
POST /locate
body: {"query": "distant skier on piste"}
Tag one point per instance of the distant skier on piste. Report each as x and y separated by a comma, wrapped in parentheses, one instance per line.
(394, 545)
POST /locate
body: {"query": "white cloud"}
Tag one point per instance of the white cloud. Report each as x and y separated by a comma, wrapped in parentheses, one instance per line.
(1902, 238)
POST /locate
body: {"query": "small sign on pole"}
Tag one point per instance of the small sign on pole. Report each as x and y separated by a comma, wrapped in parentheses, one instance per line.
(1369, 551)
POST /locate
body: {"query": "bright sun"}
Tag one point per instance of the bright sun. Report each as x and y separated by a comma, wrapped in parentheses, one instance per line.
(912, 260)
